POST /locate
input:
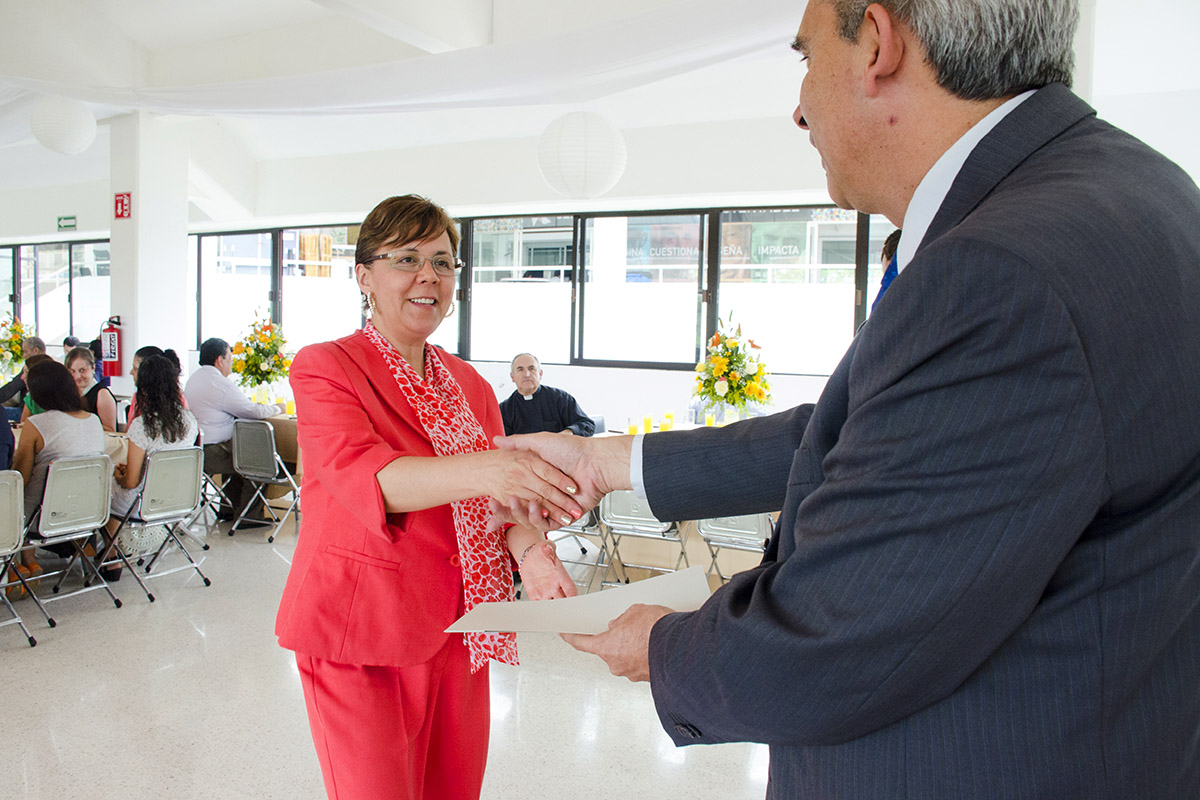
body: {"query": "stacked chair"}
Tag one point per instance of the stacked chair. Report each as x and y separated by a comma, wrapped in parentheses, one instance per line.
(624, 514)
(587, 525)
(749, 533)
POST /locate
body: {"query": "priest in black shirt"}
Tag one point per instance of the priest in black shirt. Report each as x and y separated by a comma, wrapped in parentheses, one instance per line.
(534, 408)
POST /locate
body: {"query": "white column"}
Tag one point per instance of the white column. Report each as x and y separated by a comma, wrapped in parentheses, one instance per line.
(149, 159)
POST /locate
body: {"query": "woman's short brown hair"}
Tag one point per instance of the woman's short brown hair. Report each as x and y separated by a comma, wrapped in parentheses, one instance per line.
(80, 352)
(407, 218)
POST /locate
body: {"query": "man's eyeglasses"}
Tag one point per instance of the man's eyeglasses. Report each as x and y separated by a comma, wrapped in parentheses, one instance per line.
(412, 261)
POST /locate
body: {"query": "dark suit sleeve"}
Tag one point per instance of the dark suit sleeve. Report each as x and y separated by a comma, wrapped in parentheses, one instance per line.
(11, 389)
(967, 460)
(719, 472)
(577, 422)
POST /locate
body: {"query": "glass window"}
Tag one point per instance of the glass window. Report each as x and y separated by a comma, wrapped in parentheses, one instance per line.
(521, 270)
(89, 289)
(193, 290)
(446, 335)
(320, 294)
(6, 281)
(235, 283)
(46, 290)
(28, 257)
(641, 299)
(787, 276)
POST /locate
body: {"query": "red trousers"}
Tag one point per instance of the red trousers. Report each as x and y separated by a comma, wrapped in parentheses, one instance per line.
(399, 733)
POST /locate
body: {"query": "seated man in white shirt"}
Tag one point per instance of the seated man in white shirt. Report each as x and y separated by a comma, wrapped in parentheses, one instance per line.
(217, 402)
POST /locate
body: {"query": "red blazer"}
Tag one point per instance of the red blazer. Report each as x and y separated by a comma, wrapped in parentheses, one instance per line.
(368, 587)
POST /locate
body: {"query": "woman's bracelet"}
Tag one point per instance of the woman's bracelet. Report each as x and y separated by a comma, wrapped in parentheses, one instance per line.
(521, 560)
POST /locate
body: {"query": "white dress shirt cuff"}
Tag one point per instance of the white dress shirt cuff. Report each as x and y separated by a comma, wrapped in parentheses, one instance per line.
(635, 467)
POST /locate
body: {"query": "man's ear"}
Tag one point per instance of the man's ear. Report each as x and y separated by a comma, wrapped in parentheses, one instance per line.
(880, 35)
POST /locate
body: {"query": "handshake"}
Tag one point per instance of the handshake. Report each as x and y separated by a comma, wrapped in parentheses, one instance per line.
(550, 481)
(565, 476)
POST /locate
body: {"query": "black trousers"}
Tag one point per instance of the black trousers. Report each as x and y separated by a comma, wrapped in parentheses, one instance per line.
(218, 460)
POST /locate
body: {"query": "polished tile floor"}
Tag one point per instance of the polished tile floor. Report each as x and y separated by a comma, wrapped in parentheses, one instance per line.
(190, 697)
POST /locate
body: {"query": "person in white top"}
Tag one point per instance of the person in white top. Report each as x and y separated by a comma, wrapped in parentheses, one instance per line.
(164, 424)
(216, 403)
(63, 429)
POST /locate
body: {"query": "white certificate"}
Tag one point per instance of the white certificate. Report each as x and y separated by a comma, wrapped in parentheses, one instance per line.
(589, 613)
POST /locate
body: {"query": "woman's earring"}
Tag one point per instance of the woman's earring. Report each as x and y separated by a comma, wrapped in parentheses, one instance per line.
(371, 302)
(450, 313)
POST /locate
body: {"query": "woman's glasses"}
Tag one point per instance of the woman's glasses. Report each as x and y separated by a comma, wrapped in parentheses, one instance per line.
(412, 261)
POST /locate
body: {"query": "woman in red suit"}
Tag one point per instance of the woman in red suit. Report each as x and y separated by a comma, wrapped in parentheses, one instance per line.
(395, 546)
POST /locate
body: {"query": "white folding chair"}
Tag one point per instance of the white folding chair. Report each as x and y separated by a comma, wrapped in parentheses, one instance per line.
(586, 526)
(212, 497)
(750, 533)
(74, 508)
(624, 514)
(12, 534)
(169, 497)
(257, 460)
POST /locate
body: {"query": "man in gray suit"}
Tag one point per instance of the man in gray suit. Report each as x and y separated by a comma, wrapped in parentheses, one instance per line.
(986, 578)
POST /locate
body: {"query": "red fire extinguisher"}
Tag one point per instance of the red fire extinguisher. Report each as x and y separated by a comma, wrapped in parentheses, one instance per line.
(110, 347)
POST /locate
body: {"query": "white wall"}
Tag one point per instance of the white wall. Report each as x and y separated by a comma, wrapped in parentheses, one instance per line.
(623, 394)
(747, 162)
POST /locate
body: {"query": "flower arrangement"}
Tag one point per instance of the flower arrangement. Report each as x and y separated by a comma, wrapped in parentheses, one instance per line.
(731, 373)
(12, 334)
(260, 357)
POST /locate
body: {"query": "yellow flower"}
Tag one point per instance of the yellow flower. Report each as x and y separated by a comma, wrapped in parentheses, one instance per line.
(719, 364)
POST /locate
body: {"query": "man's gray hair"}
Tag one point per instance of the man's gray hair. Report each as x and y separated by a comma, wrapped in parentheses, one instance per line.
(983, 49)
(513, 363)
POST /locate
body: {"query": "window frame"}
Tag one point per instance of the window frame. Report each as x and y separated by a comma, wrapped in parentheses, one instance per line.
(708, 286)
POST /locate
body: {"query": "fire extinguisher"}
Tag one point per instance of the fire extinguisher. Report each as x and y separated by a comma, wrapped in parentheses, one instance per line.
(110, 347)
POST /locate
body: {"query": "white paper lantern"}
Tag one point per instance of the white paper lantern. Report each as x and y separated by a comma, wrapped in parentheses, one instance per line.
(62, 125)
(581, 155)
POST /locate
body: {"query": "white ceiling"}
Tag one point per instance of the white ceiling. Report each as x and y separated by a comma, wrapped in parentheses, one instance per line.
(297, 78)
(300, 78)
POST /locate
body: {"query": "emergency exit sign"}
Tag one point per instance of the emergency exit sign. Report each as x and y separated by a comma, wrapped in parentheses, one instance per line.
(66, 223)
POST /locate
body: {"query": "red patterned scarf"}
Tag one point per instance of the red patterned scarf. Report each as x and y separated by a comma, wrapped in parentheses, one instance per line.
(443, 410)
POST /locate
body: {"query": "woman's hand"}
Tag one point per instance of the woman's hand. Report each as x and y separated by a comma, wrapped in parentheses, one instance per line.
(543, 576)
(525, 478)
(119, 472)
